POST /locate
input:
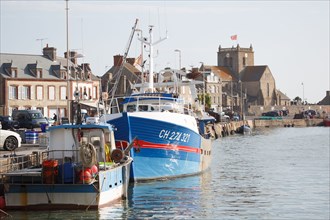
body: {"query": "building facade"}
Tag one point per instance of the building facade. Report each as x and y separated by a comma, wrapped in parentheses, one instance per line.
(42, 82)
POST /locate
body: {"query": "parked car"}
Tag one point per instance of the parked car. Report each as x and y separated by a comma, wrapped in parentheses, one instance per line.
(9, 140)
(235, 117)
(310, 113)
(7, 122)
(271, 114)
(29, 118)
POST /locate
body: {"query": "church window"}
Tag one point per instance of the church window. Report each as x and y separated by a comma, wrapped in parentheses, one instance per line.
(267, 89)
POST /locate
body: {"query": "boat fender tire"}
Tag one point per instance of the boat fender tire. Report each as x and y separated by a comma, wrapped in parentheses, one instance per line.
(88, 155)
(117, 155)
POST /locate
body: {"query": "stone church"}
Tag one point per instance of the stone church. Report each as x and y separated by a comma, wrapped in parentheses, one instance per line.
(257, 83)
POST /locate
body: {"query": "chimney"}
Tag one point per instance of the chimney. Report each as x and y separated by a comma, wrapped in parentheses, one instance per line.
(49, 52)
(130, 61)
(117, 60)
(72, 57)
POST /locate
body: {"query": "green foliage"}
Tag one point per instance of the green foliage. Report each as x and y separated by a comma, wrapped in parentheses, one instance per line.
(298, 99)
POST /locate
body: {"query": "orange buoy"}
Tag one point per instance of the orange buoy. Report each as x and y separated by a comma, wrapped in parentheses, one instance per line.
(86, 175)
(94, 170)
(49, 171)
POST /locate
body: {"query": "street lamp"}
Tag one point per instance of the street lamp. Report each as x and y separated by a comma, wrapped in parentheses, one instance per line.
(203, 74)
(241, 101)
(303, 98)
(177, 50)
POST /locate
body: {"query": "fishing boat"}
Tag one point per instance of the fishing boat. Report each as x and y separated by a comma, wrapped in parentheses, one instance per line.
(81, 169)
(172, 134)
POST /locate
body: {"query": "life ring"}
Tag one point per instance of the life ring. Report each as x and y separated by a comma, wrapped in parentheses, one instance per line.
(88, 154)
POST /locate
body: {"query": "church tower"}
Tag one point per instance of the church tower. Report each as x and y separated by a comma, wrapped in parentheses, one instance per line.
(236, 58)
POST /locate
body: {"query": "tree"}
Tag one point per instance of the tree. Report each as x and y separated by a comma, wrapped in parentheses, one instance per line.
(297, 99)
(207, 99)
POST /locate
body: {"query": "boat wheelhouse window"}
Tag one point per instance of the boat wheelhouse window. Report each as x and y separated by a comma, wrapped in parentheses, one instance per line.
(131, 108)
(143, 108)
(96, 141)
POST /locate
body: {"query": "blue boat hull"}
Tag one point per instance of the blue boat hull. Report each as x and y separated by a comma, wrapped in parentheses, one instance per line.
(162, 149)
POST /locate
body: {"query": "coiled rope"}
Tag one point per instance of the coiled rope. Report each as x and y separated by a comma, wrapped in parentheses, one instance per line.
(88, 154)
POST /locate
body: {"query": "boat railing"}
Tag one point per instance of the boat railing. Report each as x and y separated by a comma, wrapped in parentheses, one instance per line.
(44, 168)
(150, 103)
(18, 162)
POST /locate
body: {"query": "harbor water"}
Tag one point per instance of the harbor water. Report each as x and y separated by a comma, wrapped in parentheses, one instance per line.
(275, 173)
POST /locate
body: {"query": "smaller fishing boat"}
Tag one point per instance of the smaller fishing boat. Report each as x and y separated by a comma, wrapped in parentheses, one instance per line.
(244, 129)
(80, 169)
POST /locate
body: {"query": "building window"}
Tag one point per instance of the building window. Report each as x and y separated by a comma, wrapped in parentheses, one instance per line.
(213, 89)
(89, 93)
(62, 92)
(94, 92)
(14, 73)
(39, 73)
(13, 92)
(267, 89)
(41, 109)
(63, 75)
(26, 92)
(51, 93)
(244, 61)
(40, 94)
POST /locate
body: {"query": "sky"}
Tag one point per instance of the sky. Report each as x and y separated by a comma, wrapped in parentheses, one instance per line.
(291, 37)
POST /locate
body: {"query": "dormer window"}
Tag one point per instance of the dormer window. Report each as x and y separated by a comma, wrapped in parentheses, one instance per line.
(63, 75)
(35, 70)
(10, 70)
(14, 72)
(39, 73)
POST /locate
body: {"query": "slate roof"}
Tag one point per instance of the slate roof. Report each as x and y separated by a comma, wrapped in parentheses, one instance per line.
(283, 96)
(325, 100)
(25, 62)
(252, 73)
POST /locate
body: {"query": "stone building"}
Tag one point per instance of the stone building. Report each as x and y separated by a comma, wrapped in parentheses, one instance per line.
(120, 79)
(41, 82)
(257, 82)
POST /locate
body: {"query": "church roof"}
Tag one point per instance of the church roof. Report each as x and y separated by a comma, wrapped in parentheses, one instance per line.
(253, 73)
(283, 96)
(325, 100)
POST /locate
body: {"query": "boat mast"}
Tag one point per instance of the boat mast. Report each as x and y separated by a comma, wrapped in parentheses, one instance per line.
(151, 60)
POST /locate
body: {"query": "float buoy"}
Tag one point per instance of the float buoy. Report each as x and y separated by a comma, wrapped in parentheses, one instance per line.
(94, 170)
(86, 175)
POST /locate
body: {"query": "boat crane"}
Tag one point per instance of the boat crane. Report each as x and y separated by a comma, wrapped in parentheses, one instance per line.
(119, 72)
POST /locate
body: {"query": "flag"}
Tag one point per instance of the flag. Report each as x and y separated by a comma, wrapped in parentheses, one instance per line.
(138, 60)
(233, 37)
